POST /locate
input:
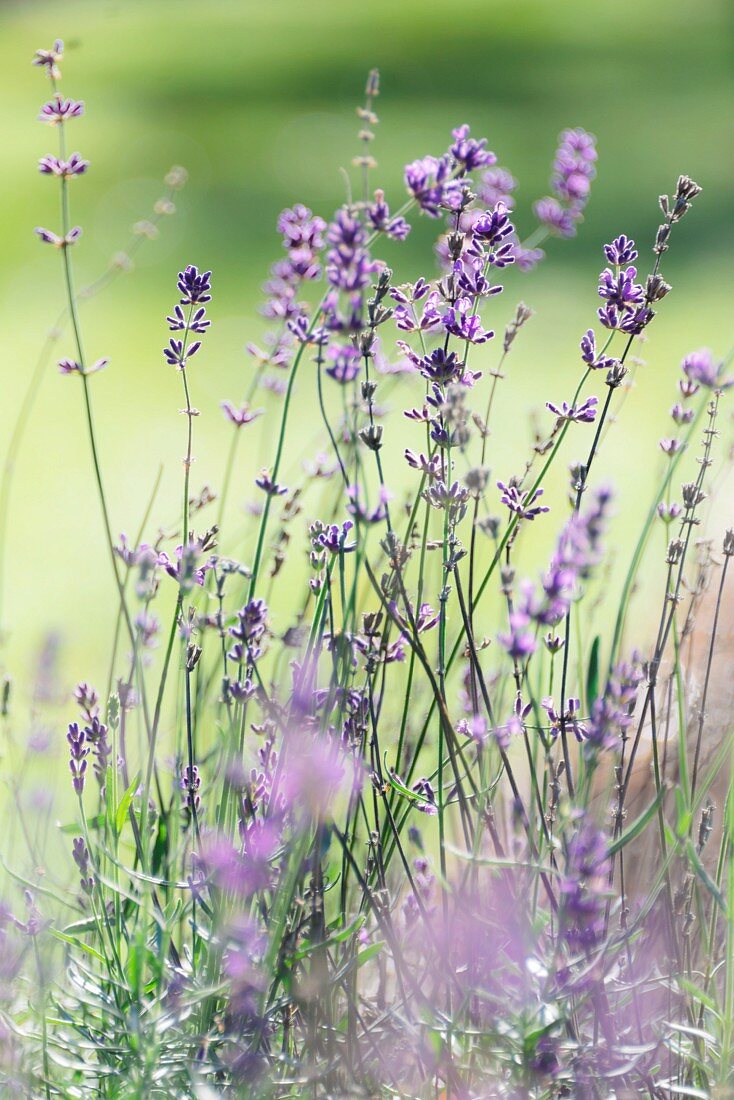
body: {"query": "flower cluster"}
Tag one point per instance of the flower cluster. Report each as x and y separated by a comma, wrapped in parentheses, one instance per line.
(574, 168)
(194, 287)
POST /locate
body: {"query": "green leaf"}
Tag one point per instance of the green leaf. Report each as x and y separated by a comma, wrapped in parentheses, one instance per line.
(124, 806)
(592, 673)
(77, 943)
(74, 827)
(637, 826)
(704, 876)
(368, 953)
(685, 815)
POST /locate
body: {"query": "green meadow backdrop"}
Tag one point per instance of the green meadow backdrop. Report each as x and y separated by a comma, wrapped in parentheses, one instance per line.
(257, 101)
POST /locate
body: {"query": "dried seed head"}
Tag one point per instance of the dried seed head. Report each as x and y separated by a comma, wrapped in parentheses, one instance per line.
(656, 288)
(371, 436)
(675, 551)
(176, 177)
(616, 375)
(372, 87)
(692, 495)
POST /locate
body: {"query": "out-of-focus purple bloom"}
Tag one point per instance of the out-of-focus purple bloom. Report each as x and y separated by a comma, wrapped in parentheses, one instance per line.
(584, 887)
(519, 641)
(556, 218)
(87, 700)
(316, 772)
(573, 168)
(300, 327)
(669, 512)
(344, 363)
(612, 714)
(497, 185)
(50, 59)
(300, 228)
(186, 567)
(59, 110)
(681, 415)
(583, 413)
(64, 169)
(526, 258)
(432, 184)
(378, 216)
(240, 415)
(49, 237)
(70, 366)
(432, 467)
(569, 720)
(515, 725)
(701, 368)
(361, 512)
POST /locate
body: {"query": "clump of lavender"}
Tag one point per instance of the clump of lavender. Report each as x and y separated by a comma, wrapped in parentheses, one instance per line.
(391, 810)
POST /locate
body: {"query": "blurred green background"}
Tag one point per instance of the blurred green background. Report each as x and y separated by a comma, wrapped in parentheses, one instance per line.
(257, 101)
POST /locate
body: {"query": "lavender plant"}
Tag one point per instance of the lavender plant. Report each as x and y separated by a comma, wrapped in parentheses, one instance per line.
(388, 813)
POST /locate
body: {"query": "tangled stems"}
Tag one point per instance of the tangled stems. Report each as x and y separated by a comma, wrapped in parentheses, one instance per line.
(76, 330)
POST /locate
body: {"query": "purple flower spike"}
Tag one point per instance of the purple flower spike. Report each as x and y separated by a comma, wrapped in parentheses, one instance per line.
(78, 752)
(461, 322)
(334, 538)
(522, 503)
(469, 152)
(194, 287)
(584, 888)
(621, 251)
(620, 288)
